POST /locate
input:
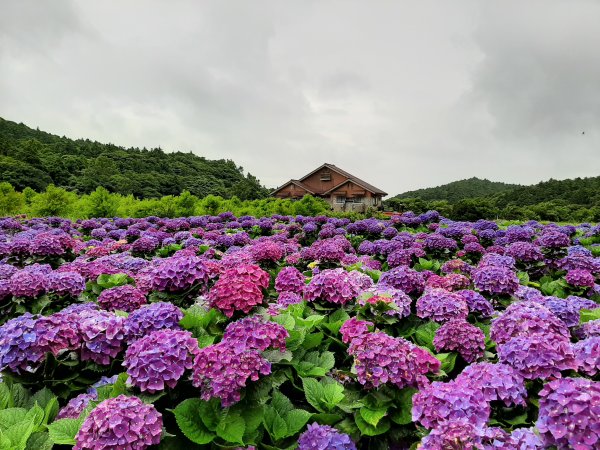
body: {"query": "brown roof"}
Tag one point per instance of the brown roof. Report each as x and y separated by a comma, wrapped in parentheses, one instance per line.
(297, 183)
(367, 186)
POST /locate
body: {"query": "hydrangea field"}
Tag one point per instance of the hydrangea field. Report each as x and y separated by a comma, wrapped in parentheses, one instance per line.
(224, 332)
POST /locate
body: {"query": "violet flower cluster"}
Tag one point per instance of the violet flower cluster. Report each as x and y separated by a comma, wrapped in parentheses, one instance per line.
(125, 298)
(569, 415)
(441, 305)
(324, 437)
(290, 279)
(462, 337)
(160, 358)
(122, 422)
(380, 358)
(332, 286)
(150, 318)
(497, 382)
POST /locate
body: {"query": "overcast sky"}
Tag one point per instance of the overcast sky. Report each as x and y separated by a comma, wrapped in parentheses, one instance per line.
(404, 94)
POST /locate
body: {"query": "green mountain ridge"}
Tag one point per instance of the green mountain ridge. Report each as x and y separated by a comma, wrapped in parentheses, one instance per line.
(459, 190)
(33, 158)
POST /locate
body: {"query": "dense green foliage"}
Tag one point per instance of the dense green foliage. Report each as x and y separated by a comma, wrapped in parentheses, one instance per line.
(554, 200)
(36, 159)
(56, 201)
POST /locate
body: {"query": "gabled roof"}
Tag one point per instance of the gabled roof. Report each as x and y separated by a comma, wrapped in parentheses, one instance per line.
(364, 184)
(297, 183)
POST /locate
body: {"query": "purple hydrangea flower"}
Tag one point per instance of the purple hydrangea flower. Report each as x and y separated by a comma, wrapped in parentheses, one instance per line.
(403, 278)
(538, 355)
(152, 317)
(587, 355)
(477, 303)
(497, 382)
(122, 422)
(553, 239)
(222, 370)
(267, 251)
(18, 345)
(289, 279)
(324, 437)
(462, 337)
(125, 298)
(495, 280)
(580, 278)
(569, 415)
(58, 332)
(380, 358)
(526, 439)
(591, 328)
(75, 406)
(254, 333)
(160, 358)
(333, 286)
(525, 319)
(103, 335)
(65, 283)
(179, 273)
(29, 282)
(441, 305)
(564, 309)
(447, 402)
(456, 434)
(525, 252)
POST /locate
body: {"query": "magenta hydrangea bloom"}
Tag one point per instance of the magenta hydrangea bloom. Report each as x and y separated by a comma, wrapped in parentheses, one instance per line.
(58, 332)
(19, 351)
(524, 251)
(497, 382)
(333, 286)
(75, 406)
(103, 335)
(29, 282)
(239, 289)
(580, 278)
(462, 337)
(222, 370)
(353, 328)
(380, 358)
(160, 358)
(152, 317)
(526, 319)
(456, 434)
(65, 283)
(254, 333)
(125, 298)
(569, 416)
(324, 437)
(122, 422)
(477, 303)
(403, 278)
(495, 280)
(587, 355)
(441, 305)
(289, 279)
(179, 273)
(267, 251)
(440, 402)
(538, 356)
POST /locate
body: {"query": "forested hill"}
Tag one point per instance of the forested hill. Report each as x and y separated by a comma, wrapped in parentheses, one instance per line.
(35, 159)
(459, 190)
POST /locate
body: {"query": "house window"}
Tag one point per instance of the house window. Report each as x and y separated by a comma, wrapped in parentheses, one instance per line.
(340, 199)
(374, 200)
(358, 199)
(325, 176)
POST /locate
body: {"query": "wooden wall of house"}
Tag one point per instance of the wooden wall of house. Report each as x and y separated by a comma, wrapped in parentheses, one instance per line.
(291, 191)
(315, 183)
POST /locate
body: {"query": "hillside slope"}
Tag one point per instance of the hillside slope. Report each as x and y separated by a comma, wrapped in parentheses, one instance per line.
(459, 190)
(34, 158)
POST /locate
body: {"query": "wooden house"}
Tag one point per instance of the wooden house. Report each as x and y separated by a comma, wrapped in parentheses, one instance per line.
(342, 190)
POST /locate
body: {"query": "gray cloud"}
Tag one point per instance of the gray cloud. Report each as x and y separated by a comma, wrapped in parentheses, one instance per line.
(404, 94)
